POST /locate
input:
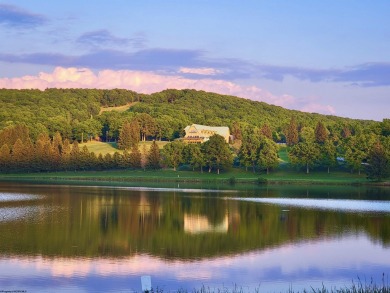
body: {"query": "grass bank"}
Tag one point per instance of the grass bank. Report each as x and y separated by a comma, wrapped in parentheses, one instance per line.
(234, 176)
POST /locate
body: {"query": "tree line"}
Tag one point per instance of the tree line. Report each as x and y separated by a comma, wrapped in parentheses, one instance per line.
(77, 113)
(254, 148)
(65, 117)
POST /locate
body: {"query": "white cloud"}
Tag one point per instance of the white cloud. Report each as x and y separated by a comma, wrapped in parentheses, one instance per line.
(200, 71)
(149, 82)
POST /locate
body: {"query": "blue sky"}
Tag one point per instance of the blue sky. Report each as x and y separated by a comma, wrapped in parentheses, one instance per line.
(330, 57)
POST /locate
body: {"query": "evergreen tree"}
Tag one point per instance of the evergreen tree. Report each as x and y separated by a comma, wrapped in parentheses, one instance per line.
(378, 166)
(5, 158)
(65, 155)
(266, 131)
(321, 133)
(135, 157)
(19, 156)
(125, 140)
(134, 132)
(292, 136)
(108, 161)
(75, 156)
(116, 160)
(144, 157)
(153, 159)
(42, 160)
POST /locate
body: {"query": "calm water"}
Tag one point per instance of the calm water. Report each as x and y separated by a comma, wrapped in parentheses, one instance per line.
(103, 239)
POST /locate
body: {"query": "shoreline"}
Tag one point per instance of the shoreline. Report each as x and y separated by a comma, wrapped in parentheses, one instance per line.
(164, 176)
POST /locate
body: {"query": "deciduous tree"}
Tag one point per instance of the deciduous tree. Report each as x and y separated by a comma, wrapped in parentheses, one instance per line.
(378, 166)
(304, 154)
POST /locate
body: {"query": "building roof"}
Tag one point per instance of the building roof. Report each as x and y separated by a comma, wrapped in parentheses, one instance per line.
(221, 130)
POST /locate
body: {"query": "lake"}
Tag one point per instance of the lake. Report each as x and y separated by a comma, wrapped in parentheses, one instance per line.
(273, 238)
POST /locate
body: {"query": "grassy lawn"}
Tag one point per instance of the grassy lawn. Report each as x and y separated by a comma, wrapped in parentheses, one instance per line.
(283, 155)
(111, 147)
(239, 175)
(118, 109)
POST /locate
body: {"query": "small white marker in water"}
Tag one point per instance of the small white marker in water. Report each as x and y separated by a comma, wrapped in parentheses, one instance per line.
(146, 283)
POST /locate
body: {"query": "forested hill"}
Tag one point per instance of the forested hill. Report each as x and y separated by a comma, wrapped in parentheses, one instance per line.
(75, 113)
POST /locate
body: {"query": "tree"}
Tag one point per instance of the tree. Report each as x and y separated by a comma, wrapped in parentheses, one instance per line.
(266, 131)
(65, 155)
(153, 158)
(321, 133)
(147, 125)
(194, 156)
(236, 130)
(75, 156)
(5, 158)
(268, 154)
(217, 153)
(378, 166)
(307, 135)
(173, 154)
(248, 153)
(356, 150)
(328, 156)
(135, 157)
(304, 154)
(125, 140)
(292, 137)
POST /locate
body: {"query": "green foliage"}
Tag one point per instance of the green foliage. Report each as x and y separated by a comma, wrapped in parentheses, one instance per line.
(321, 133)
(217, 153)
(153, 157)
(304, 154)
(292, 137)
(378, 166)
(194, 157)
(268, 154)
(173, 154)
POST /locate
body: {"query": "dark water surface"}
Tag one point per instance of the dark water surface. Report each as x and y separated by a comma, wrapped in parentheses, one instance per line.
(103, 239)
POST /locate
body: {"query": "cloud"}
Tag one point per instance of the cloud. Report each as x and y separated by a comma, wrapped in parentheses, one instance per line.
(168, 60)
(195, 64)
(199, 71)
(103, 38)
(150, 82)
(363, 75)
(13, 16)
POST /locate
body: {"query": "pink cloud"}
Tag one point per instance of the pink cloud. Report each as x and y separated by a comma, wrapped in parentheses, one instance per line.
(150, 82)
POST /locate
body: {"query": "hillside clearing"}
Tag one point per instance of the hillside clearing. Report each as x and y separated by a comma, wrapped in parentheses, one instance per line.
(118, 108)
(104, 148)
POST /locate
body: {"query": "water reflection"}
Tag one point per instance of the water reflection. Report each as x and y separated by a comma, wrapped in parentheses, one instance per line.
(326, 204)
(102, 239)
(273, 269)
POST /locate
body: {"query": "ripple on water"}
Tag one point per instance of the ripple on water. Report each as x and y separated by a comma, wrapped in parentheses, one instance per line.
(12, 213)
(13, 197)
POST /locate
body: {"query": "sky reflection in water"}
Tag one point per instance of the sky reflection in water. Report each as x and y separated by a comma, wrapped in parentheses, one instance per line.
(270, 251)
(325, 204)
(331, 261)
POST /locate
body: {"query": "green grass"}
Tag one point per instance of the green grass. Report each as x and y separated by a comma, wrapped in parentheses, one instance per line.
(111, 147)
(118, 108)
(235, 175)
(283, 155)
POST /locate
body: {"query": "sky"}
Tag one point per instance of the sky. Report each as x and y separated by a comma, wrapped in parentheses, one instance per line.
(329, 57)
